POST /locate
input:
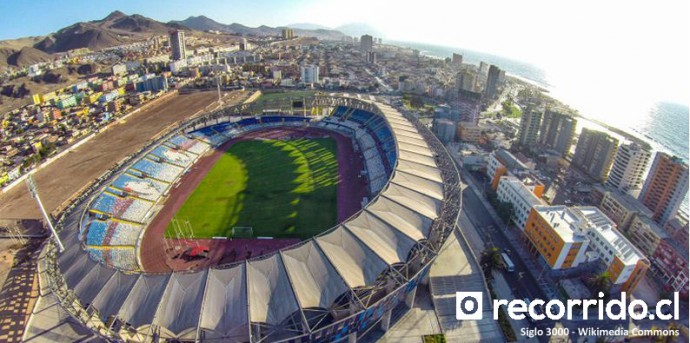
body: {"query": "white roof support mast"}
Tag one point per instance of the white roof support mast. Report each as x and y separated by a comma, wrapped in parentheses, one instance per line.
(34, 193)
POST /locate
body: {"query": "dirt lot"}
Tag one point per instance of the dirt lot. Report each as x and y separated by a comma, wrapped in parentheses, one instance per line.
(59, 180)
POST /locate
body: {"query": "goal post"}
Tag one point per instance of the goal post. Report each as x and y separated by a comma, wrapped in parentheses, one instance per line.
(242, 232)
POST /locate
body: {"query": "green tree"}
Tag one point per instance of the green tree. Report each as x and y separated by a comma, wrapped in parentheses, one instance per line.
(504, 210)
(490, 260)
(600, 283)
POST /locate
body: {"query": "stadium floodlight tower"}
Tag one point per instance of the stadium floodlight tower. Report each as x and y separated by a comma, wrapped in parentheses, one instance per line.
(34, 193)
(220, 98)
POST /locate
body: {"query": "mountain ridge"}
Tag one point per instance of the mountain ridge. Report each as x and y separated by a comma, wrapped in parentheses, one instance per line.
(204, 23)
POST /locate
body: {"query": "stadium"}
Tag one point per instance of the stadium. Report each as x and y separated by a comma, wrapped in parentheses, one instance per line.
(289, 220)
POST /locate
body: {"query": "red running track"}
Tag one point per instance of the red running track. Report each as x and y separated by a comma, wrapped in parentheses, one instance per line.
(157, 256)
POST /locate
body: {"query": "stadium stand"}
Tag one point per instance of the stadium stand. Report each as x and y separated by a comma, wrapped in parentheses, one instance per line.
(126, 208)
(176, 157)
(194, 146)
(111, 232)
(156, 170)
(209, 136)
(144, 188)
(377, 256)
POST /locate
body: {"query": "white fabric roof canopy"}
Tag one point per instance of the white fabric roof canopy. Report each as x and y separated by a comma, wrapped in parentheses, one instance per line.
(316, 282)
(225, 303)
(178, 310)
(387, 242)
(271, 299)
(355, 262)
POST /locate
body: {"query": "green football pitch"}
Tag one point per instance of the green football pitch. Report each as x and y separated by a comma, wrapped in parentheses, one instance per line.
(279, 188)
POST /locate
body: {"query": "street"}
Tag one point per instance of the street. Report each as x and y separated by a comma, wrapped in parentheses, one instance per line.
(522, 282)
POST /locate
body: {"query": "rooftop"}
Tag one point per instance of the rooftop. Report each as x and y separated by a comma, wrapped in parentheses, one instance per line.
(605, 228)
(509, 160)
(626, 200)
(522, 191)
(565, 222)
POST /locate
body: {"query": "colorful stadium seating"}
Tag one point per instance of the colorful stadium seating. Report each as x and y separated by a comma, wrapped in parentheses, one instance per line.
(172, 156)
(159, 171)
(144, 188)
(117, 214)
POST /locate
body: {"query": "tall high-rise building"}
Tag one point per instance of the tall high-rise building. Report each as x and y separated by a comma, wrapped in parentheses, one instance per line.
(244, 45)
(594, 153)
(665, 187)
(483, 67)
(557, 131)
(371, 57)
(288, 33)
(628, 168)
(310, 74)
(177, 46)
(492, 81)
(366, 43)
(528, 136)
(457, 59)
(466, 80)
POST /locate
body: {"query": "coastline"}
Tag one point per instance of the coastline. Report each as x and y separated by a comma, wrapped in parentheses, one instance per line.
(520, 74)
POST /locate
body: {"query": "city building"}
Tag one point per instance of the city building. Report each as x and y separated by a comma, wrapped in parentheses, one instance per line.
(119, 69)
(626, 264)
(492, 81)
(310, 74)
(594, 153)
(670, 263)
(177, 45)
(501, 163)
(371, 57)
(514, 191)
(620, 207)
(444, 129)
(469, 132)
(646, 234)
(567, 236)
(366, 43)
(668, 255)
(665, 187)
(244, 45)
(469, 104)
(557, 233)
(557, 131)
(483, 68)
(677, 228)
(528, 135)
(466, 80)
(457, 59)
(288, 33)
(628, 168)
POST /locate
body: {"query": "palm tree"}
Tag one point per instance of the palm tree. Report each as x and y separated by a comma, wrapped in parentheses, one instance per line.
(601, 283)
(490, 260)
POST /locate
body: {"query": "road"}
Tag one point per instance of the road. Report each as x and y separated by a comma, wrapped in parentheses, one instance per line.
(522, 282)
(383, 84)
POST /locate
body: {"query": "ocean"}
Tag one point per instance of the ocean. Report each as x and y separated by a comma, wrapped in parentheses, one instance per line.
(665, 125)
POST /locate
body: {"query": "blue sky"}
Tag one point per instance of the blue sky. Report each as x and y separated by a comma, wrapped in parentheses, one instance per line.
(40, 17)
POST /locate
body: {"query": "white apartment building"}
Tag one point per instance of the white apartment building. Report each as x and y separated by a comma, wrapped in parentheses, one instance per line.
(628, 168)
(512, 190)
(310, 74)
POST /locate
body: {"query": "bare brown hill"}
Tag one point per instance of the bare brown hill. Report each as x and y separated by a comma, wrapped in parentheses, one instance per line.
(28, 56)
(115, 29)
